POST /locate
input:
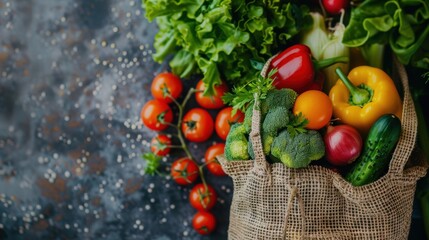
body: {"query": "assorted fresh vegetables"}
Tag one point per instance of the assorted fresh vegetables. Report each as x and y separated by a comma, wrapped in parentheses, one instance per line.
(326, 100)
(284, 137)
(194, 125)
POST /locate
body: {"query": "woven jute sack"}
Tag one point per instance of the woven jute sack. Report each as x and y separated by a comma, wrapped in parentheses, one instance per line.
(272, 201)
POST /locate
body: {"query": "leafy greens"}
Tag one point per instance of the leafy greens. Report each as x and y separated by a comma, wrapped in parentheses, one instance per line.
(219, 38)
(401, 24)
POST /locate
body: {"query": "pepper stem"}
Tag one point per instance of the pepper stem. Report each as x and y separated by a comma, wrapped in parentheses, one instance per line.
(324, 63)
(359, 96)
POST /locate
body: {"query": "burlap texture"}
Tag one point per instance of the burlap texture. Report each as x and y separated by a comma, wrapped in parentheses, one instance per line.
(271, 201)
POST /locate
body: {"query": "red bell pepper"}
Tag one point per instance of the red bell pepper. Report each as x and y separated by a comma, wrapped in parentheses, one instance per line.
(296, 68)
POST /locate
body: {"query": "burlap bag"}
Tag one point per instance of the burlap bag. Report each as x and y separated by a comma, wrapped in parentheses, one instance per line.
(271, 201)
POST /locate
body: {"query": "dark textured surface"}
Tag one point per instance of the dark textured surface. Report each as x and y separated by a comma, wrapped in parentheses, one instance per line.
(73, 77)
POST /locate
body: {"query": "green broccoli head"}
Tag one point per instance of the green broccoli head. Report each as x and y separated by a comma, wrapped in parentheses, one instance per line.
(276, 119)
(284, 97)
(298, 150)
(316, 145)
(236, 143)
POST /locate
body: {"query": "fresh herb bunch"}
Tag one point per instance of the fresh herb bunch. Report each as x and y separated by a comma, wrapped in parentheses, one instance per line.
(218, 38)
(244, 95)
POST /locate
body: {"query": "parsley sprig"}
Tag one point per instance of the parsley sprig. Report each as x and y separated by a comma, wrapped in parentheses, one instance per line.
(242, 96)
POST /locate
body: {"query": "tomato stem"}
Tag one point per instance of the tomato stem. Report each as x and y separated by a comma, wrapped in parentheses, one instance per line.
(183, 145)
(174, 146)
(170, 124)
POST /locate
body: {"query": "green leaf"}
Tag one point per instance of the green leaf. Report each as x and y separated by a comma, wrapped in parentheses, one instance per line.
(243, 96)
(404, 25)
(297, 124)
(152, 163)
(183, 64)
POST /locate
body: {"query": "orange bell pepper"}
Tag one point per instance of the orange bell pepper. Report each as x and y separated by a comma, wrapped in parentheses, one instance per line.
(362, 97)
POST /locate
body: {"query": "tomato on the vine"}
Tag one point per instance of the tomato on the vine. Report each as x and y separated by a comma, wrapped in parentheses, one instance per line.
(197, 125)
(184, 171)
(165, 86)
(210, 157)
(159, 145)
(214, 101)
(225, 119)
(202, 198)
(156, 114)
(315, 106)
(204, 222)
(334, 6)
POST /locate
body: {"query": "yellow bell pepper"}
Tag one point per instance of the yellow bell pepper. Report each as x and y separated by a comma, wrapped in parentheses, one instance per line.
(362, 97)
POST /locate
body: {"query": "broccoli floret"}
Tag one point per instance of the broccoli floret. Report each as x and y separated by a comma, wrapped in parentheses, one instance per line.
(284, 97)
(236, 143)
(298, 150)
(275, 116)
(276, 119)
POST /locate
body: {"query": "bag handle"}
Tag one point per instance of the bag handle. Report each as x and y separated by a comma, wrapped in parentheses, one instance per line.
(408, 136)
(261, 165)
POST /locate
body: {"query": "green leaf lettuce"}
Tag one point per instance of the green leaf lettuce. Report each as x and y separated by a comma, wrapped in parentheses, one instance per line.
(402, 25)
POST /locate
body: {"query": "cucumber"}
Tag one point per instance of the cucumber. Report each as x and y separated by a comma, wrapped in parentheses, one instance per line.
(377, 150)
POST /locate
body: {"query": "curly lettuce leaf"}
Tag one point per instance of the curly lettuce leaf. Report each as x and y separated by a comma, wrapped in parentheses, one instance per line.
(403, 25)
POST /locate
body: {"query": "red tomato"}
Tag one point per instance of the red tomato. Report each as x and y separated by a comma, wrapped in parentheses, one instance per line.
(165, 84)
(211, 102)
(184, 171)
(202, 198)
(197, 125)
(315, 106)
(224, 120)
(210, 157)
(155, 114)
(334, 6)
(204, 223)
(160, 145)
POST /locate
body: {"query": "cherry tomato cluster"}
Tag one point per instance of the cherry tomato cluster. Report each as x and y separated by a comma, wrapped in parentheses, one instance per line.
(196, 125)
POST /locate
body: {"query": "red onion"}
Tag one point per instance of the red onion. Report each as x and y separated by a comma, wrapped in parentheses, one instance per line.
(343, 144)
